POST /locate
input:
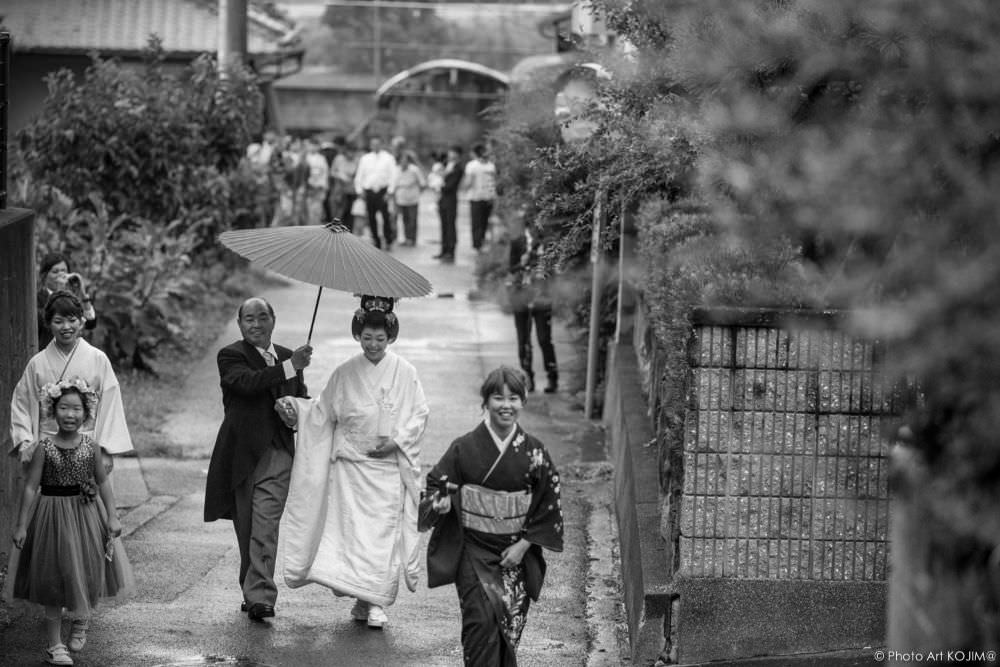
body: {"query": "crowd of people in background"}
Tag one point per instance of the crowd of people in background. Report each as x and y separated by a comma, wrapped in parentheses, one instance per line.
(309, 182)
(306, 181)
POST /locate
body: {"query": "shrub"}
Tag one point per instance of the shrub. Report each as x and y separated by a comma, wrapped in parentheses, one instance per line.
(866, 136)
(133, 173)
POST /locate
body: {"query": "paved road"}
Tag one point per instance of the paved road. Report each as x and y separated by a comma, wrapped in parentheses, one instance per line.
(186, 610)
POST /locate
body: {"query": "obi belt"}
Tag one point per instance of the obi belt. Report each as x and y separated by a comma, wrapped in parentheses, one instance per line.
(494, 512)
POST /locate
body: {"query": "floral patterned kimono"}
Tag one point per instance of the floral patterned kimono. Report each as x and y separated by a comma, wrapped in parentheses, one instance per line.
(502, 497)
(350, 520)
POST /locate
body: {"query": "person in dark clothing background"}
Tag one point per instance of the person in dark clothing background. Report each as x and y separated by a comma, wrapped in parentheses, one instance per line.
(55, 275)
(531, 300)
(454, 169)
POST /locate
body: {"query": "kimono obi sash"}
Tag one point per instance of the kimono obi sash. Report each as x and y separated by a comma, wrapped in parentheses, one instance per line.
(494, 512)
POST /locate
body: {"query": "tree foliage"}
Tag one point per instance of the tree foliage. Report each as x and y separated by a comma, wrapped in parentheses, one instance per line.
(133, 172)
(864, 136)
(151, 143)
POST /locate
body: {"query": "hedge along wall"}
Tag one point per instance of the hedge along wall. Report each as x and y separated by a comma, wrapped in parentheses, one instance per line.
(774, 480)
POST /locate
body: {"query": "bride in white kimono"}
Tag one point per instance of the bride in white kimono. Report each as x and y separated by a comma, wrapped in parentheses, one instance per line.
(350, 520)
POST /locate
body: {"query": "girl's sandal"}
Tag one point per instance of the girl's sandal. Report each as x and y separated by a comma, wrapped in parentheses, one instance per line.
(58, 655)
(78, 635)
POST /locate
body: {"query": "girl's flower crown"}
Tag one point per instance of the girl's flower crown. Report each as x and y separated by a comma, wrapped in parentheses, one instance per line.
(52, 391)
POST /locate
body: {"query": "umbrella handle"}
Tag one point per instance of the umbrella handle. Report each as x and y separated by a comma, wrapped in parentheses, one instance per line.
(315, 310)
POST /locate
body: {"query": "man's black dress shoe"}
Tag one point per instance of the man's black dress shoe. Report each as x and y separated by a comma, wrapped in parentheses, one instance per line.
(259, 611)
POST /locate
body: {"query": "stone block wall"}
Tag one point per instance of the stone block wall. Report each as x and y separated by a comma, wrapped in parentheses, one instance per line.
(785, 471)
(773, 483)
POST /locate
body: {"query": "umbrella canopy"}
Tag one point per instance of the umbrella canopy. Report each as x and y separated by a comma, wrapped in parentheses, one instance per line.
(328, 256)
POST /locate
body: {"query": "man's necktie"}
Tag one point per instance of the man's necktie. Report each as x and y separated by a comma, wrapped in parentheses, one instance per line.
(268, 358)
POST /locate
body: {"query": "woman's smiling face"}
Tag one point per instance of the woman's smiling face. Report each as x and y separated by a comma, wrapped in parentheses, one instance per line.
(374, 343)
(503, 408)
(65, 329)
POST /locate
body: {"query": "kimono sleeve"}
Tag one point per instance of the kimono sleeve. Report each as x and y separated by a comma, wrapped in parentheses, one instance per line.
(24, 414)
(111, 429)
(544, 525)
(447, 467)
(413, 417)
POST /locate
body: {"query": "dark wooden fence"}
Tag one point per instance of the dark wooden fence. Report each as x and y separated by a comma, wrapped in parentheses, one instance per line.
(18, 342)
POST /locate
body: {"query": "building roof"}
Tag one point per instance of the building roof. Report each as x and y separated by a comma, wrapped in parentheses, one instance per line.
(323, 78)
(442, 64)
(186, 27)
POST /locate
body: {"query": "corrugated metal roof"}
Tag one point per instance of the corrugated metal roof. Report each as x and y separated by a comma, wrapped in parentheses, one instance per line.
(186, 26)
(314, 78)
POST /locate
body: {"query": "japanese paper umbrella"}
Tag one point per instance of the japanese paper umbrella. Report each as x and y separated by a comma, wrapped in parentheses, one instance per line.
(328, 256)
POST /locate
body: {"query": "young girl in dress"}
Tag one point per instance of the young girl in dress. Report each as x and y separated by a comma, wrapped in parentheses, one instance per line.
(71, 553)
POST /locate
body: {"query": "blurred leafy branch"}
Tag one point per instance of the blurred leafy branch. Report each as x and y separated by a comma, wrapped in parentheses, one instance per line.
(811, 153)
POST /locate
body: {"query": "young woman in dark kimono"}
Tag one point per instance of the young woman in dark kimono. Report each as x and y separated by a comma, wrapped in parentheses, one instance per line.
(493, 502)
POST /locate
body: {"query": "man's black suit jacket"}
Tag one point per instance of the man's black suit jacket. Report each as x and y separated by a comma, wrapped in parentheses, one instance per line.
(249, 390)
(452, 179)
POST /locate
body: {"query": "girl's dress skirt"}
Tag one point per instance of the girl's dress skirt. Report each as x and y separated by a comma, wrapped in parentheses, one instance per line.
(68, 559)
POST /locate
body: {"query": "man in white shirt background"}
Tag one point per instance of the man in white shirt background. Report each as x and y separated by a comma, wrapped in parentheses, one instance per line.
(480, 185)
(373, 180)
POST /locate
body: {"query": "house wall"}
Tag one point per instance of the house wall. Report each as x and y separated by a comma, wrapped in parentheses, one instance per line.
(427, 124)
(311, 110)
(28, 89)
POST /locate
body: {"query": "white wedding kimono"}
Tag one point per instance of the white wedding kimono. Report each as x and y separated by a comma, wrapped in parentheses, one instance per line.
(107, 428)
(350, 521)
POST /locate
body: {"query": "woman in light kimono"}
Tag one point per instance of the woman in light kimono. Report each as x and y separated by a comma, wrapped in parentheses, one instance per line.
(493, 502)
(350, 520)
(66, 357)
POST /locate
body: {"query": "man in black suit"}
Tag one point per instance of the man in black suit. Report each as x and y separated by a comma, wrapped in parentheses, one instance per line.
(252, 460)
(448, 204)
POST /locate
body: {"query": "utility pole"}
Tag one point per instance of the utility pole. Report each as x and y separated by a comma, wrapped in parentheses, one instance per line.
(232, 33)
(377, 40)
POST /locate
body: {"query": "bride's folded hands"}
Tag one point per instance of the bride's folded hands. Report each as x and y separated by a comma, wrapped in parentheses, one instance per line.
(286, 410)
(385, 446)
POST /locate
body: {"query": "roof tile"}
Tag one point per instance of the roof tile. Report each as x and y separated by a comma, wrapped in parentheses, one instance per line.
(123, 25)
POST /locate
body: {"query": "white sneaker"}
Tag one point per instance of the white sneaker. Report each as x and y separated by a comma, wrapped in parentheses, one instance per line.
(58, 655)
(376, 617)
(359, 612)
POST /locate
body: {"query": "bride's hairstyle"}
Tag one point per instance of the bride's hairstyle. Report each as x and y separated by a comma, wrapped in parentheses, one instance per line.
(375, 313)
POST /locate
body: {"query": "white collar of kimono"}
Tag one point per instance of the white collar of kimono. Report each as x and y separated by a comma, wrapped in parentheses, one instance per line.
(501, 443)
